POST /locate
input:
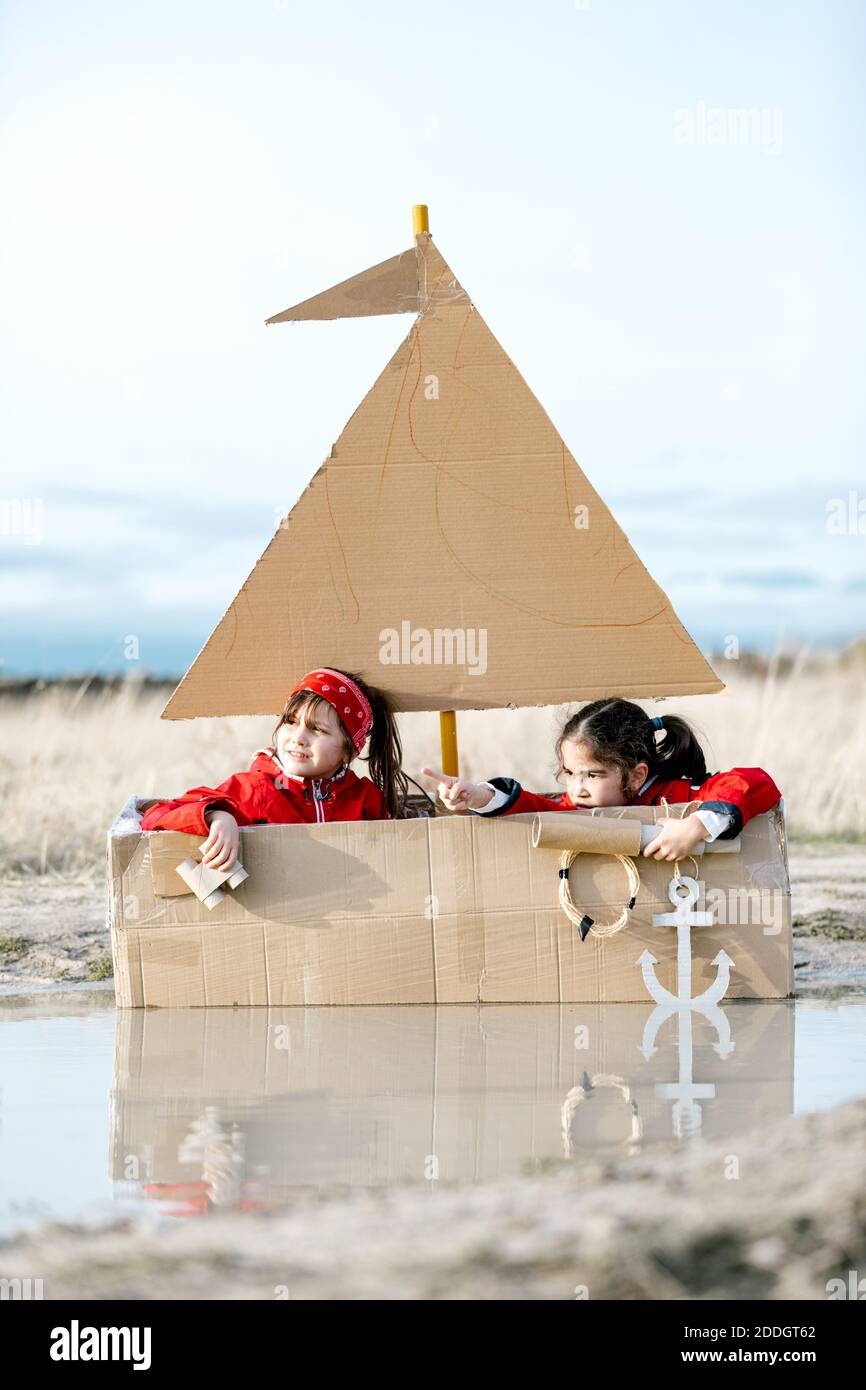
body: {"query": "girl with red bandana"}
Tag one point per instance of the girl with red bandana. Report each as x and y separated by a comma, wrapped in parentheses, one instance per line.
(304, 776)
(610, 754)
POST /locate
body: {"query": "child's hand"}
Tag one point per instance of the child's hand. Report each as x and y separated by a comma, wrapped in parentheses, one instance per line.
(677, 839)
(457, 794)
(220, 849)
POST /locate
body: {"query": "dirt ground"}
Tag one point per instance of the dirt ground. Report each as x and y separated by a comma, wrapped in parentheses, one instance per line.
(671, 1225)
(54, 931)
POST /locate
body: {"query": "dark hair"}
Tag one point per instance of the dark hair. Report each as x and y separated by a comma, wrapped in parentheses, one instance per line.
(384, 752)
(621, 734)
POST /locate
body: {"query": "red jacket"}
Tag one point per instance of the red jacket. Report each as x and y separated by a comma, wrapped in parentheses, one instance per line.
(266, 795)
(742, 793)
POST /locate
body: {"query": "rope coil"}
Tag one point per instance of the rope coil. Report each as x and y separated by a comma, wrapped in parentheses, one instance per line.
(581, 920)
(586, 924)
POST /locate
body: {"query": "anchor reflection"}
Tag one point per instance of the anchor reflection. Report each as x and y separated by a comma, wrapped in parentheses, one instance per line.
(242, 1110)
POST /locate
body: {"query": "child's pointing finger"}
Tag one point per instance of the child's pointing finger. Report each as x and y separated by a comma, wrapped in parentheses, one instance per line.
(442, 777)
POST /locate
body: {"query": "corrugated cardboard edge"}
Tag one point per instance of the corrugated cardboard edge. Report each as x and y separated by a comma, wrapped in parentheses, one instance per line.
(127, 991)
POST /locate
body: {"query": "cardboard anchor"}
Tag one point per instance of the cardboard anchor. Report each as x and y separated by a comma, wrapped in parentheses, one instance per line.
(685, 1092)
(684, 892)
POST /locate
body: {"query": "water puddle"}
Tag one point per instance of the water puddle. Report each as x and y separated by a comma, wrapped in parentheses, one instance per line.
(184, 1112)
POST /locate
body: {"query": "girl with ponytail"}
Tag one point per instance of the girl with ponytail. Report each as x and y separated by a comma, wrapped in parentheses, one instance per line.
(612, 753)
(304, 776)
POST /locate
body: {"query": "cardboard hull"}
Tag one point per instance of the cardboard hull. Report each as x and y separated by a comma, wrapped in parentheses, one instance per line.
(449, 910)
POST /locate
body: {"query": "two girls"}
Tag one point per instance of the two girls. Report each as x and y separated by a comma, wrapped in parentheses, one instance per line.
(611, 753)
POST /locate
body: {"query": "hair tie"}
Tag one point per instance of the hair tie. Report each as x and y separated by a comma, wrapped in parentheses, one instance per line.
(658, 721)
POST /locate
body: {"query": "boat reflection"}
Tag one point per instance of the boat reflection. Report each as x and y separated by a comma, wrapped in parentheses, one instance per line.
(242, 1109)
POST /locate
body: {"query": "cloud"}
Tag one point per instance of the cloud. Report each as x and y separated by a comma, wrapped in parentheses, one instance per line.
(772, 579)
(19, 558)
(803, 503)
(180, 514)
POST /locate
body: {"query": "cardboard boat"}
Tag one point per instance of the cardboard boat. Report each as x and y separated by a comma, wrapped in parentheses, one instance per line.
(510, 585)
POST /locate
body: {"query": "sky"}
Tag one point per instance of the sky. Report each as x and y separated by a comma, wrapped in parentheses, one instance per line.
(683, 291)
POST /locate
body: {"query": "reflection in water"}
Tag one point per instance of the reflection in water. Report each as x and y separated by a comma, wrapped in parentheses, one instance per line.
(216, 1109)
(590, 1087)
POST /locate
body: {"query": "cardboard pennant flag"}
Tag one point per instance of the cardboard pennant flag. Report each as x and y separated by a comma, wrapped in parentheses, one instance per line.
(449, 550)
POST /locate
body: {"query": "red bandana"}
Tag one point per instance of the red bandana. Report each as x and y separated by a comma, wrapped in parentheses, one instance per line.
(344, 696)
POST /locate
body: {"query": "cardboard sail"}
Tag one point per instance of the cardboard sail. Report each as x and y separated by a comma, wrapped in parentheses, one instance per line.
(388, 288)
(450, 549)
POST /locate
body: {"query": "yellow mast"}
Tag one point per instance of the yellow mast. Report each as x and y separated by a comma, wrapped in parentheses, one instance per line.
(420, 220)
(447, 717)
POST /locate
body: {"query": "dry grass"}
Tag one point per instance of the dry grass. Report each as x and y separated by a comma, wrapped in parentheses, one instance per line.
(70, 762)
